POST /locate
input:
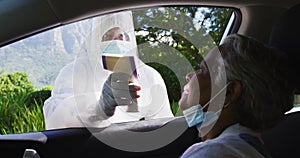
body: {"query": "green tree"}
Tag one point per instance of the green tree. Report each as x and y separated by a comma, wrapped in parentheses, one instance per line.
(215, 21)
(189, 31)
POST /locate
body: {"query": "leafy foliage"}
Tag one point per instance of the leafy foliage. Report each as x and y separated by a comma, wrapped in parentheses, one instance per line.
(216, 19)
(170, 80)
(18, 118)
(18, 112)
(39, 96)
(188, 35)
(14, 87)
(175, 109)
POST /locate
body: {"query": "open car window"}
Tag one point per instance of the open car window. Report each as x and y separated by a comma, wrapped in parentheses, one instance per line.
(170, 40)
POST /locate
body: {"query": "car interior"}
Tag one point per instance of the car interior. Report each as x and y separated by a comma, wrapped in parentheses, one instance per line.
(284, 36)
(265, 20)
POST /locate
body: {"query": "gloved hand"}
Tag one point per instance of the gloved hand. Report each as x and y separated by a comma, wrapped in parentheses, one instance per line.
(117, 91)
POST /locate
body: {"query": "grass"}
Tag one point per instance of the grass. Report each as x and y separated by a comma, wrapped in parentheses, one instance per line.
(16, 118)
(22, 118)
(20, 104)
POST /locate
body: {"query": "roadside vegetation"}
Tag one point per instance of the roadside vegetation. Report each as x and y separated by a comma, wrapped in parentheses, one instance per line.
(21, 104)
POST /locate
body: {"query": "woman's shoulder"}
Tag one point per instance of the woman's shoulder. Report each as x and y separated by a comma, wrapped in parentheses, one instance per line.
(210, 148)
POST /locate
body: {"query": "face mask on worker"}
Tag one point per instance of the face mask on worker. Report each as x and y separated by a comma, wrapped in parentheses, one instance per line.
(195, 116)
(117, 48)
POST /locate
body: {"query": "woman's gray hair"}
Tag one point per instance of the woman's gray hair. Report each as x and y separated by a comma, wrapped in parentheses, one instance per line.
(264, 75)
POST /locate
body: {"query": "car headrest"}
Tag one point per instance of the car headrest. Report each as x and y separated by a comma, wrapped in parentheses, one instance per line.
(285, 36)
(280, 140)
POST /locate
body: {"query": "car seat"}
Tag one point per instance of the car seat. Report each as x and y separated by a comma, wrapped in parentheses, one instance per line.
(285, 36)
(283, 139)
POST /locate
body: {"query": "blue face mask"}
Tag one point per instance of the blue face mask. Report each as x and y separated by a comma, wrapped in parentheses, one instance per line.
(117, 47)
(195, 116)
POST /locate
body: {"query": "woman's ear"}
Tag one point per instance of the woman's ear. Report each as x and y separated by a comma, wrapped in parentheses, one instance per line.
(233, 92)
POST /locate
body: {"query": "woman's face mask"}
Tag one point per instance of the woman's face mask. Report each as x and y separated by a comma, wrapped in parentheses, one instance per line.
(195, 116)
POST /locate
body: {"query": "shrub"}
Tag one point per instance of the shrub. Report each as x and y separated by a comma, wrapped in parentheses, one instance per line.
(14, 88)
(171, 81)
(16, 116)
(38, 96)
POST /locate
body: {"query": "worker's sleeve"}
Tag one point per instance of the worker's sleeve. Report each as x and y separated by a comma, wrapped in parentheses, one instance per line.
(74, 100)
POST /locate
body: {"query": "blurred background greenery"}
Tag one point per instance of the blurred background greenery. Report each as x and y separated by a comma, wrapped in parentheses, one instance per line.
(21, 104)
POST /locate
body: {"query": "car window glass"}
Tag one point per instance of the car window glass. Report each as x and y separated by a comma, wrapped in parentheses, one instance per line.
(171, 40)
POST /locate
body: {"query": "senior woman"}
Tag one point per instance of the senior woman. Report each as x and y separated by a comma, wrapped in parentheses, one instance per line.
(241, 89)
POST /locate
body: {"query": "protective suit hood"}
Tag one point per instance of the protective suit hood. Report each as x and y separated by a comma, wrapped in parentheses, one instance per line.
(101, 25)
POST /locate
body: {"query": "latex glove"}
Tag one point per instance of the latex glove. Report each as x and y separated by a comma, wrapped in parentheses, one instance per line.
(117, 91)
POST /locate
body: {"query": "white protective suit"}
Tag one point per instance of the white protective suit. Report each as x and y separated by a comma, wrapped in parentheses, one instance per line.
(74, 100)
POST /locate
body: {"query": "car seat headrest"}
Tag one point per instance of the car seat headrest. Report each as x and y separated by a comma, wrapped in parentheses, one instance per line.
(285, 36)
